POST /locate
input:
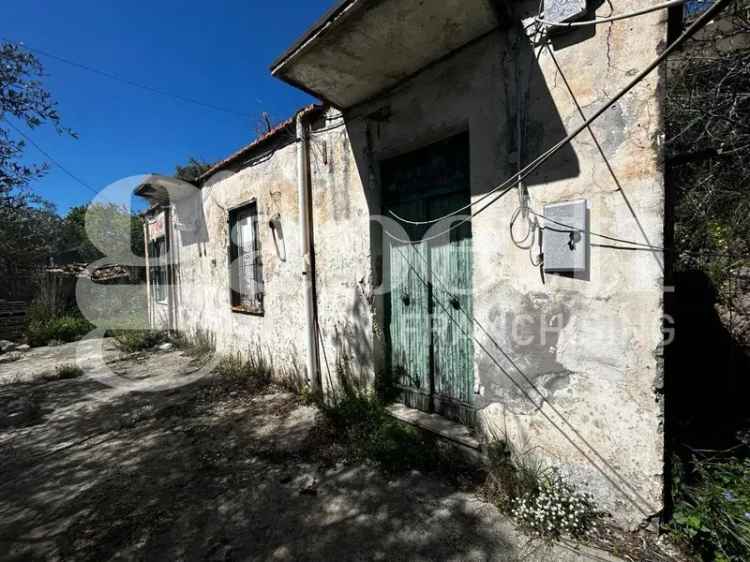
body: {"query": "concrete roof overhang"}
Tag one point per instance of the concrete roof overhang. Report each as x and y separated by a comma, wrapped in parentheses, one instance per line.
(362, 48)
(163, 189)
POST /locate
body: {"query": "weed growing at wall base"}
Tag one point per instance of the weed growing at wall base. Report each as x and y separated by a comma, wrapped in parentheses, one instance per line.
(237, 367)
(370, 433)
(556, 510)
(541, 501)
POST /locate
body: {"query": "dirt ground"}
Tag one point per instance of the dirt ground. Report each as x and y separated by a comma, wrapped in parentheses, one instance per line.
(216, 470)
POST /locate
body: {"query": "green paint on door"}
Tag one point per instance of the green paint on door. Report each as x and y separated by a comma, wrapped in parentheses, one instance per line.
(429, 308)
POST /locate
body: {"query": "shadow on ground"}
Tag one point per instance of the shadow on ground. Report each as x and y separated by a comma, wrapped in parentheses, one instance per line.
(218, 470)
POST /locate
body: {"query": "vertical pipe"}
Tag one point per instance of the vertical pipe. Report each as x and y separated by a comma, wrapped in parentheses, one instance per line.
(308, 272)
(172, 264)
(148, 273)
(168, 252)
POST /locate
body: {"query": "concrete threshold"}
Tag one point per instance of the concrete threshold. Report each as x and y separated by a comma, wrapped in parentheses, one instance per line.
(440, 426)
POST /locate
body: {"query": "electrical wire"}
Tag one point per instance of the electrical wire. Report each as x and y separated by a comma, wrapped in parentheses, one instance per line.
(50, 158)
(542, 159)
(453, 227)
(131, 82)
(632, 245)
(610, 19)
(580, 447)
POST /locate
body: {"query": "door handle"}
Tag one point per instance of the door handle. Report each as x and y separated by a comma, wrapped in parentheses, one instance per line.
(406, 299)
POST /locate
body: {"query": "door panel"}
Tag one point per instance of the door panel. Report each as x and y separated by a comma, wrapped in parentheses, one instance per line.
(409, 325)
(452, 325)
(429, 307)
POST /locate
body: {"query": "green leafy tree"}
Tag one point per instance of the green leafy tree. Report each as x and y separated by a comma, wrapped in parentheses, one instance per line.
(23, 98)
(28, 224)
(27, 234)
(87, 229)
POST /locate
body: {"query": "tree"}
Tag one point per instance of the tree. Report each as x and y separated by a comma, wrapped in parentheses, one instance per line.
(191, 171)
(86, 229)
(28, 224)
(28, 234)
(708, 145)
(24, 98)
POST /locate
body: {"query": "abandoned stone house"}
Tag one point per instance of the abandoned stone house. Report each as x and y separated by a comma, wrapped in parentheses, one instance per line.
(297, 247)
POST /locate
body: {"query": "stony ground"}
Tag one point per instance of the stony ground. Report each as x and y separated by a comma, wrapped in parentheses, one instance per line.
(215, 470)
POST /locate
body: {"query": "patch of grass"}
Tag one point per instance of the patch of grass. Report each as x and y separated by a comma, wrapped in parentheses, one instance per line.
(250, 368)
(64, 372)
(368, 432)
(138, 340)
(197, 345)
(510, 475)
(66, 329)
(712, 509)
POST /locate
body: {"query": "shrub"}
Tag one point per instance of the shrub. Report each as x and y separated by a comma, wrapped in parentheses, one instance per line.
(68, 328)
(65, 372)
(138, 340)
(713, 514)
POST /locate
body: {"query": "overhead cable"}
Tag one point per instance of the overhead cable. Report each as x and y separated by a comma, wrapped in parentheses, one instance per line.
(541, 160)
(461, 220)
(632, 245)
(133, 82)
(50, 158)
(583, 447)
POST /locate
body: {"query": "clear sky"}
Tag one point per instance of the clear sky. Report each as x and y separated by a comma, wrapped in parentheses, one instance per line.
(217, 52)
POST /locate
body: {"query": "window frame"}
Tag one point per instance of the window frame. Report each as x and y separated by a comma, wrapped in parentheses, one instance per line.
(157, 252)
(236, 279)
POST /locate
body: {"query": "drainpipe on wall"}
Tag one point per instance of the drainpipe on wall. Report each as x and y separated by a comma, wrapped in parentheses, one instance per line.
(148, 273)
(308, 272)
(167, 210)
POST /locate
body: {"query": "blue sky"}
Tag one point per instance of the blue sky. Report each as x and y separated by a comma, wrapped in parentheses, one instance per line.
(216, 52)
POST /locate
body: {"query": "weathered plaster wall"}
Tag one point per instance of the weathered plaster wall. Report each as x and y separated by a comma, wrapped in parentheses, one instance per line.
(567, 368)
(203, 278)
(572, 367)
(343, 201)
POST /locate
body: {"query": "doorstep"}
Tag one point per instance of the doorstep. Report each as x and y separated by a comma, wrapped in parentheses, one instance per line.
(434, 423)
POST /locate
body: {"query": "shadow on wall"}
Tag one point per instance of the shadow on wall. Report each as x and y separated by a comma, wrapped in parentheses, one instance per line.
(706, 369)
(190, 219)
(457, 98)
(355, 356)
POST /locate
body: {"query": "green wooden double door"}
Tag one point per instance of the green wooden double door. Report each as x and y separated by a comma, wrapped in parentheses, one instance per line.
(429, 271)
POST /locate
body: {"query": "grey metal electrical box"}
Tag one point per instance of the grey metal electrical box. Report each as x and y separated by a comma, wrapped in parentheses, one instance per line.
(561, 11)
(565, 241)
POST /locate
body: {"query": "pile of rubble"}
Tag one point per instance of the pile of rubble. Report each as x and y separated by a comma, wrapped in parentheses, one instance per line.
(113, 273)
